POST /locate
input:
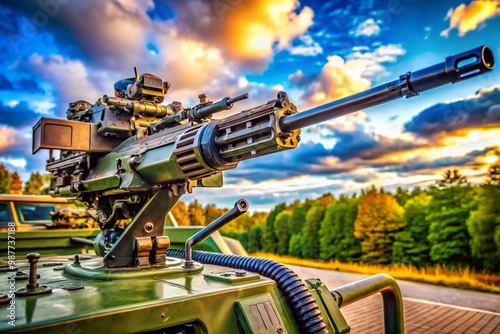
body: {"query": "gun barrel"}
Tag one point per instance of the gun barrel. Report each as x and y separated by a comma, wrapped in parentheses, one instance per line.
(224, 104)
(455, 68)
(238, 98)
(115, 101)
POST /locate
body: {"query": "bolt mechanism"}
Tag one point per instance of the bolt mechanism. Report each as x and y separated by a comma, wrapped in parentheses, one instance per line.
(32, 287)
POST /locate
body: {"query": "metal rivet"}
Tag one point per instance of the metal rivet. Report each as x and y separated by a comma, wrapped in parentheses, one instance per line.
(148, 227)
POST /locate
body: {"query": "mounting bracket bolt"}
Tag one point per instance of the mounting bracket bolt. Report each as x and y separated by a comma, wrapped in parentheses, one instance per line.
(32, 287)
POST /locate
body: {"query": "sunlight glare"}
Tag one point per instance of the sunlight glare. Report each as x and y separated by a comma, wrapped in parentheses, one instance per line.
(490, 159)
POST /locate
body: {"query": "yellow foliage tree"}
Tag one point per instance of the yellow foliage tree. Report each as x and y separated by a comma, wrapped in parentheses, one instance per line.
(325, 200)
(212, 212)
(196, 214)
(379, 218)
(16, 187)
(181, 214)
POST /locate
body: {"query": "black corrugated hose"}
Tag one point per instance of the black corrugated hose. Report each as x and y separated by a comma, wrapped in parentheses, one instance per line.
(299, 299)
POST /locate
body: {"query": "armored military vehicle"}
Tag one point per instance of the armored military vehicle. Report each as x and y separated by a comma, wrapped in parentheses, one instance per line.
(46, 224)
(130, 158)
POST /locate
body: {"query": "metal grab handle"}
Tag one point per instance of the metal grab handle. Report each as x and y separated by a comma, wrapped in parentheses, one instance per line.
(391, 295)
(240, 207)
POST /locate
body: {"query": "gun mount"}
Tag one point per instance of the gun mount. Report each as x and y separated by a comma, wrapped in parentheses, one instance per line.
(130, 159)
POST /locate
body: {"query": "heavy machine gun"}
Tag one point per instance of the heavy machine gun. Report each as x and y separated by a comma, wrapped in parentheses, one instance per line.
(130, 159)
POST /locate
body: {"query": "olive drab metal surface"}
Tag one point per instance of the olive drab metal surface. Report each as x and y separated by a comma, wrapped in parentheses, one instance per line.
(129, 159)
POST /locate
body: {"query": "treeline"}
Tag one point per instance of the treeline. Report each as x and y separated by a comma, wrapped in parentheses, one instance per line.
(11, 183)
(451, 222)
(195, 214)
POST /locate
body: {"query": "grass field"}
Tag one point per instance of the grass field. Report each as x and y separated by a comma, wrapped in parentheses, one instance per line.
(463, 278)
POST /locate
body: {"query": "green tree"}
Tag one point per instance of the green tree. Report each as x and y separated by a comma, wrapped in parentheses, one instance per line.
(16, 187)
(416, 191)
(379, 218)
(295, 245)
(402, 196)
(5, 180)
(269, 244)
(298, 218)
(411, 245)
(38, 184)
(448, 213)
(240, 235)
(336, 233)
(314, 217)
(281, 232)
(484, 227)
(196, 214)
(255, 239)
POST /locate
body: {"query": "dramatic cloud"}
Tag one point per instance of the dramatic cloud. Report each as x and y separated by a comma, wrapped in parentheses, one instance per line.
(20, 115)
(121, 27)
(354, 141)
(340, 78)
(69, 77)
(194, 55)
(458, 117)
(22, 85)
(337, 79)
(472, 159)
(131, 32)
(264, 195)
(245, 30)
(11, 141)
(193, 64)
(466, 18)
(284, 165)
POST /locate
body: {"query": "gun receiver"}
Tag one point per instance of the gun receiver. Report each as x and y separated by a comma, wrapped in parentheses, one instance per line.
(128, 156)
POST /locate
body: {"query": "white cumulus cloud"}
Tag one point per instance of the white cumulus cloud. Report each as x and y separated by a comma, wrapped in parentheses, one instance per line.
(367, 28)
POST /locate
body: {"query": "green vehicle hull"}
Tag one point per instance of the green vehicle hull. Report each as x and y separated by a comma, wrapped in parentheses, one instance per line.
(205, 299)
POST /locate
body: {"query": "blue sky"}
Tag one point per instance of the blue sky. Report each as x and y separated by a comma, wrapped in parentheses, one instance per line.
(57, 51)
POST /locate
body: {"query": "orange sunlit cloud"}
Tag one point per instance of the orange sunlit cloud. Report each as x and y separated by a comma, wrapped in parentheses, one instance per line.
(469, 136)
(10, 138)
(337, 79)
(466, 18)
(341, 77)
(250, 31)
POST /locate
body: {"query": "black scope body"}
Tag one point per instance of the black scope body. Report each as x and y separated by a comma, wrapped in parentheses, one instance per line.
(224, 104)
